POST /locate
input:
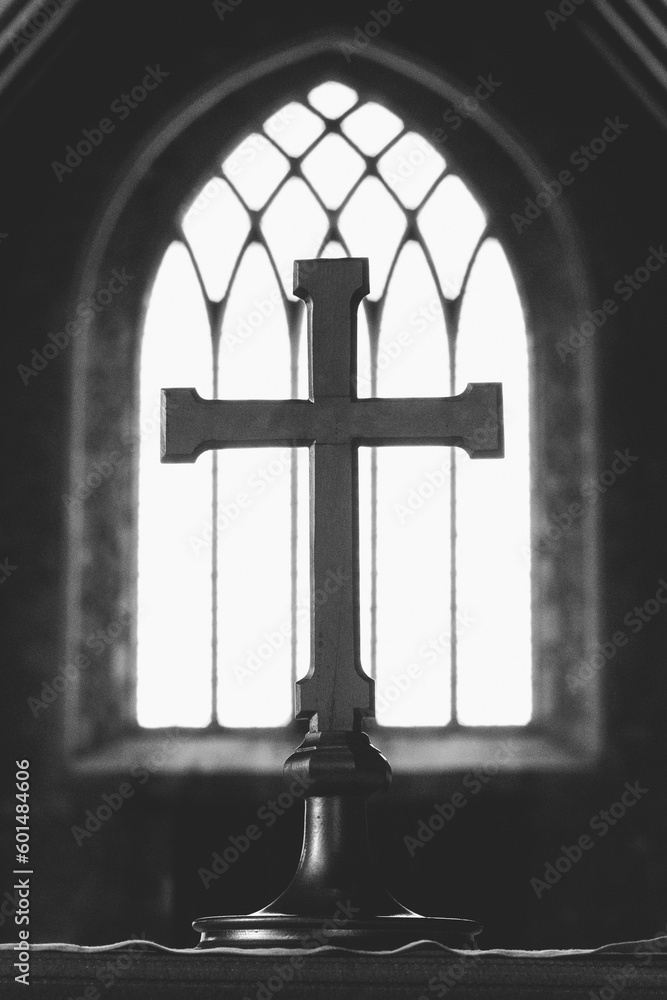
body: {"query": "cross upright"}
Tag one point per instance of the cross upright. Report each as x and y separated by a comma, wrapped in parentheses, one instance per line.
(333, 423)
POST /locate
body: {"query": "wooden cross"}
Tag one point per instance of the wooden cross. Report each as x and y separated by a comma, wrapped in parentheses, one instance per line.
(333, 423)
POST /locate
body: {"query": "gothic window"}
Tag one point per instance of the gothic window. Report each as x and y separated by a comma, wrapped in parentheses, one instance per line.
(189, 585)
(445, 542)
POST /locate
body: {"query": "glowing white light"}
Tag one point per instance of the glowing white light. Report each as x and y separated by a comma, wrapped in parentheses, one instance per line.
(371, 127)
(332, 168)
(452, 244)
(372, 225)
(294, 226)
(493, 503)
(215, 227)
(294, 128)
(174, 560)
(332, 99)
(255, 169)
(254, 616)
(254, 347)
(410, 167)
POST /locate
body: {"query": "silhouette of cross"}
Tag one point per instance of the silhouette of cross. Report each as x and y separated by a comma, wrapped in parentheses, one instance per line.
(333, 423)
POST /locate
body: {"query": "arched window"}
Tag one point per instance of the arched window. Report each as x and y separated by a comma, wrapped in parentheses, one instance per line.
(445, 575)
(474, 607)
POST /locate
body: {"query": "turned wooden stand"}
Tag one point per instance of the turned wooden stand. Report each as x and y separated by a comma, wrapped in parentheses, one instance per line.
(336, 896)
(335, 893)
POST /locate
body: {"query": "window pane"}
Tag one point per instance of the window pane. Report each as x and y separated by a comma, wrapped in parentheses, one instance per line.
(294, 128)
(493, 508)
(261, 601)
(255, 168)
(332, 168)
(294, 226)
(413, 359)
(254, 592)
(216, 227)
(413, 511)
(332, 99)
(410, 167)
(174, 556)
(254, 349)
(413, 583)
(452, 223)
(372, 225)
(371, 127)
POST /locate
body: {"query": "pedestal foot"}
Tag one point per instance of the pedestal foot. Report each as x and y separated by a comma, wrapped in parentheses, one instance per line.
(335, 897)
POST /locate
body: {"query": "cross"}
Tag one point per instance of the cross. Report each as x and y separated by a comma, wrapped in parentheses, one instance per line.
(333, 422)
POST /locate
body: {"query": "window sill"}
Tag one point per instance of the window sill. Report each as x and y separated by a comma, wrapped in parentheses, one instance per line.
(261, 753)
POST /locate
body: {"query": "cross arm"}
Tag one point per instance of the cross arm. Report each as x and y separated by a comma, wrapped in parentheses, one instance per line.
(473, 420)
(192, 425)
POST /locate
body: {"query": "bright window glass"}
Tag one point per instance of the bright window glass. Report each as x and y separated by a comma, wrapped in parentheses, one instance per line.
(223, 543)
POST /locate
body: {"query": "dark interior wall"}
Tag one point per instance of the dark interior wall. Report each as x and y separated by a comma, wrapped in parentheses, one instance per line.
(138, 874)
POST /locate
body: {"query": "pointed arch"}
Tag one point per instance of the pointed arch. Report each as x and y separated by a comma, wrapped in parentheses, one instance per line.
(501, 173)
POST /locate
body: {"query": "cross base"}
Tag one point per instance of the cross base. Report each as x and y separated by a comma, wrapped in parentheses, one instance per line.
(335, 896)
(380, 934)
